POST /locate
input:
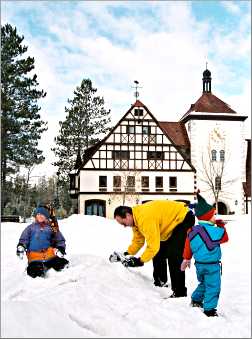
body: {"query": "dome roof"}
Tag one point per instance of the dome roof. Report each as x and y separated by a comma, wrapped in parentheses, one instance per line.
(206, 73)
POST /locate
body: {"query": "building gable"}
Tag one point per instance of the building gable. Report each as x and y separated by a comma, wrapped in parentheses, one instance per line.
(138, 142)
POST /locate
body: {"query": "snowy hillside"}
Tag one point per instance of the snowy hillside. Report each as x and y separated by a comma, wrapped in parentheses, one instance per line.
(94, 298)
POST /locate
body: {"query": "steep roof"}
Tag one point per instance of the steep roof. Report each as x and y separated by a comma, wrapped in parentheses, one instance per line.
(78, 161)
(177, 132)
(89, 152)
(138, 103)
(209, 103)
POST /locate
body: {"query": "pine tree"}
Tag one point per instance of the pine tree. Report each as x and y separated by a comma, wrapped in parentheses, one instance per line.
(86, 121)
(21, 125)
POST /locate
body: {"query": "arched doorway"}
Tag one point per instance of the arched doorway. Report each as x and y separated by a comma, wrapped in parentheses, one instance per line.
(222, 208)
(95, 207)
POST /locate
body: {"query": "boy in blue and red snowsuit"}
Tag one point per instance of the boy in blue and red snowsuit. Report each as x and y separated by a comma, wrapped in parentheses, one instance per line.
(44, 248)
(203, 243)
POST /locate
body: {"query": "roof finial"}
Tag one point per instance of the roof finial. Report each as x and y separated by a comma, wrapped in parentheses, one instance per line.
(206, 64)
(136, 88)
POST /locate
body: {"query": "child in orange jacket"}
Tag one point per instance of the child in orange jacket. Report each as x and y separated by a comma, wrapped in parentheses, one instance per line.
(43, 248)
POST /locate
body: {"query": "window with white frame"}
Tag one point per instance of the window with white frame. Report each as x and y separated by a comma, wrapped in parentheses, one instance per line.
(159, 184)
(117, 180)
(214, 155)
(172, 184)
(145, 183)
(138, 112)
(102, 183)
(130, 129)
(155, 155)
(222, 155)
(146, 130)
(120, 155)
(130, 183)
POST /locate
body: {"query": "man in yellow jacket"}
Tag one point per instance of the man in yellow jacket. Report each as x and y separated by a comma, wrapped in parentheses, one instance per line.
(162, 225)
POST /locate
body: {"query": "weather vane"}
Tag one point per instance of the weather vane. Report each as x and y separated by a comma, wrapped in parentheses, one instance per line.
(136, 88)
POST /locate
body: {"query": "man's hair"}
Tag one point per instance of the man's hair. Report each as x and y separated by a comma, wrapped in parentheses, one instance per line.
(122, 210)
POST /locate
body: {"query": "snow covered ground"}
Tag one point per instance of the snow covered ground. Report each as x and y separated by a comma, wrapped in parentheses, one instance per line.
(94, 298)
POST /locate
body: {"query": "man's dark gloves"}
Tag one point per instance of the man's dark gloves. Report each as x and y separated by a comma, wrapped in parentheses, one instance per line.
(60, 251)
(126, 259)
(134, 262)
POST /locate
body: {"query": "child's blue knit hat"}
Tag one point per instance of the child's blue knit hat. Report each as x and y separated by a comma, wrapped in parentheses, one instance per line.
(42, 210)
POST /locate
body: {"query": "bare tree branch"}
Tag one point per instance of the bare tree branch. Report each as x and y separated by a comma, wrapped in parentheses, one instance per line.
(213, 171)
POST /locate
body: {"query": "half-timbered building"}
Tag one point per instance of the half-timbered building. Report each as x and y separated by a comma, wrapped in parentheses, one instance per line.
(137, 161)
(145, 159)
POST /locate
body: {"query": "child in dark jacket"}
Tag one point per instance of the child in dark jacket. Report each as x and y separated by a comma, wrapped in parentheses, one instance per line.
(203, 243)
(44, 248)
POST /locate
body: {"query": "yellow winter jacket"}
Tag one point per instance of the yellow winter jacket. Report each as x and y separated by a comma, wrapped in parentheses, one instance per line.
(154, 221)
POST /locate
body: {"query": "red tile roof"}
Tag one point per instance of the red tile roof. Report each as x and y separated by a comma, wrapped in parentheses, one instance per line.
(209, 103)
(177, 132)
(138, 103)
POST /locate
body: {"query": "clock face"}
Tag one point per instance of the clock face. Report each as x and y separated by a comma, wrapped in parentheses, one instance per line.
(217, 135)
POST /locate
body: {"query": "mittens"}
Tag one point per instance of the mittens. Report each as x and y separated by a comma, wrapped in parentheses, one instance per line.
(20, 251)
(60, 251)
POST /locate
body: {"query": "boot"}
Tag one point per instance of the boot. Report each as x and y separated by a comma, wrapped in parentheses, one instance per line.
(211, 313)
(161, 284)
(196, 303)
(176, 295)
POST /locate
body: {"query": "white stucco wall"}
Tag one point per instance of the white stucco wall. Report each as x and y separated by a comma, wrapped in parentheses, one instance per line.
(232, 132)
(89, 180)
(112, 201)
(89, 188)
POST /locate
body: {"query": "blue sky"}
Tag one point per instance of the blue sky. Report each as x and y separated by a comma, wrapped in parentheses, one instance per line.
(162, 44)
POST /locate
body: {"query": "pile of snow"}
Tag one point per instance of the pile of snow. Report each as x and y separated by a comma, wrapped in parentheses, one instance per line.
(94, 298)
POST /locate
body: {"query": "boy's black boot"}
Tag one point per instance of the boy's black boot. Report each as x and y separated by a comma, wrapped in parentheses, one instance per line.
(211, 313)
